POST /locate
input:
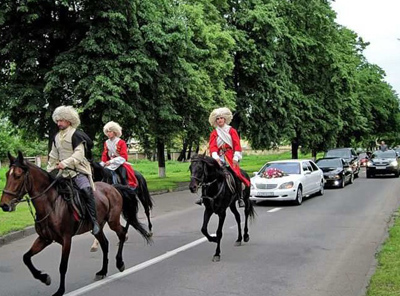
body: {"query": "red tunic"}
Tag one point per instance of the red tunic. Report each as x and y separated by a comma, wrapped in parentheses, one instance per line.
(228, 151)
(122, 151)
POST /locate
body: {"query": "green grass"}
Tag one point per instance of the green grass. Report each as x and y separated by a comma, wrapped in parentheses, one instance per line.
(386, 279)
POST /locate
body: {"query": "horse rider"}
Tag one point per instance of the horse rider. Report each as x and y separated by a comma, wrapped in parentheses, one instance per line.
(69, 153)
(224, 144)
(115, 155)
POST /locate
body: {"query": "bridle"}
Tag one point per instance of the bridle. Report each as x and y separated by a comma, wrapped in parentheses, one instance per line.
(23, 190)
(201, 181)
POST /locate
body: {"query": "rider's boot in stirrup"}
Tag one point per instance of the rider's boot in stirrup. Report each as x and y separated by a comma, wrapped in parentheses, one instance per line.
(91, 206)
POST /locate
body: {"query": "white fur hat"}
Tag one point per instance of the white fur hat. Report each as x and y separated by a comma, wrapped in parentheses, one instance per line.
(113, 127)
(67, 113)
(220, 112)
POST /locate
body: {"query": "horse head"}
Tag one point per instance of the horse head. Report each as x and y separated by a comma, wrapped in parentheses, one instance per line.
(201, 169)
(16, 178)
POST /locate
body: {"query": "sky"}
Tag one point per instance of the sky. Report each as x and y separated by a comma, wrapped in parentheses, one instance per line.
(377, 22)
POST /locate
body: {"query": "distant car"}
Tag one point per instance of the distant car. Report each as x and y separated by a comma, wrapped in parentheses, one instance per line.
(383, 162)
(348, 154)
(337, 171)
(287, 180)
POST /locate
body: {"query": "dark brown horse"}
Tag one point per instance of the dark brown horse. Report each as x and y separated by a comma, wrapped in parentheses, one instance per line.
(219, 195)
(54, 219)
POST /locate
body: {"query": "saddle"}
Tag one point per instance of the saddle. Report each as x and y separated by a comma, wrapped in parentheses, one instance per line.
(70, 193)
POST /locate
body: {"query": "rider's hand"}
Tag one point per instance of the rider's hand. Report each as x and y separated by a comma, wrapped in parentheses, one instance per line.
(107, 163)
(60, 166)
(235, 163)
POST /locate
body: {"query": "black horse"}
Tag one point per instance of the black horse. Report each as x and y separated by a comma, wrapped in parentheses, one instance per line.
(142, 192)
(220, 193)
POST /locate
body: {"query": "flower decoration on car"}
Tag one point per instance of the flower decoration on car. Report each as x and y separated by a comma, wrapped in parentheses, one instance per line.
(273, 173)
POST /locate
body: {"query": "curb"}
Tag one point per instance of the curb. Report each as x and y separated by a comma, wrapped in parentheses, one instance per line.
(19, 234)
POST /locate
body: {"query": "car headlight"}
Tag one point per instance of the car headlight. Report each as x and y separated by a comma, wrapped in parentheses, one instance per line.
(393, 163)
(370, 163)
(286, 185)
(252, 186)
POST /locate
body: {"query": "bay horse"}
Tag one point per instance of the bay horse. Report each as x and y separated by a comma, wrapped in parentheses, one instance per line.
(212, 178)
(102, 174)
(54, 219)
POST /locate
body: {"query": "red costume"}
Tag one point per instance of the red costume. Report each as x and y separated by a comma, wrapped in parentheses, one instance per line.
(122, 151)
(227, 151)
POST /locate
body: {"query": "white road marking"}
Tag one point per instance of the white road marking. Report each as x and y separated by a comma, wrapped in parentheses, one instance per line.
(135, 268)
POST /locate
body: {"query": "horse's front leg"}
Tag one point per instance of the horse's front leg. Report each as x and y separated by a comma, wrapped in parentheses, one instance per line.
(221, 221)
(66, 250)
(38, 245)
(238, 222)
(204, 227)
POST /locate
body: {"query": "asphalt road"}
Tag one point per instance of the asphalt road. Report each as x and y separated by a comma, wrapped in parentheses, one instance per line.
(325, 247)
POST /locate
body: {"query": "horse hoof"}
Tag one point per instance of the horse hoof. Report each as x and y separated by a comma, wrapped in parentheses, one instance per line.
(246, 238)
(47, 280)
(216, 258)
(122, 267)
(237, 244)
(94, 249)
(99, 277)
(149, 234)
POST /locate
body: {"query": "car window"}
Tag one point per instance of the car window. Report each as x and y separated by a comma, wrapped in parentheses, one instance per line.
(286, 167)
(332, 162)
(338, 153)
(306, 167)
(314, 166)
(384, 154)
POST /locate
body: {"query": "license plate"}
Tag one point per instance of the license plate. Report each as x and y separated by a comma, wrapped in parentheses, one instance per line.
(380, 168)
(265, 194)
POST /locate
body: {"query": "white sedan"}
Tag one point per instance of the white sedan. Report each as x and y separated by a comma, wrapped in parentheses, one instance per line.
(287, 180)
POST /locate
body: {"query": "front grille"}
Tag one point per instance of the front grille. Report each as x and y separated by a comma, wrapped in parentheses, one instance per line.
(266, 186)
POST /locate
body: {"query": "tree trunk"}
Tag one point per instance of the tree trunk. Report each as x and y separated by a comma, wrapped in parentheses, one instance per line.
(161, 158)
(314, 154)
(295, 149)
(182, 155)
(190, 150)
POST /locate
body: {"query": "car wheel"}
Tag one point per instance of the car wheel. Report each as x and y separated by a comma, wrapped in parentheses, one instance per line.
(351, 181)
(299, 196)
(343, 183)
(321, 188)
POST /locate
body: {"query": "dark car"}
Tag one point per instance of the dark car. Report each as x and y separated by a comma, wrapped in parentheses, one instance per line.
(337, 171)
(348, 154)
(383, 162)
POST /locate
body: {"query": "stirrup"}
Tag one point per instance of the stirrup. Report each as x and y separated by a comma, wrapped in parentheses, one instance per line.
(241, 203)
(96, 228)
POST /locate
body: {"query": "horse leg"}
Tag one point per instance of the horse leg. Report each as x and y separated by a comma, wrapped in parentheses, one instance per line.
(149, 225)
(206, 219)
(238, 222)
(247, 210)
(38, 245)
(217, 257)
(66, 249)
(101, 238)
(121, 233)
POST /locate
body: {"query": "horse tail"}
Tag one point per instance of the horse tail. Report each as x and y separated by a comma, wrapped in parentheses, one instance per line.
(130, 208)
(143, 192)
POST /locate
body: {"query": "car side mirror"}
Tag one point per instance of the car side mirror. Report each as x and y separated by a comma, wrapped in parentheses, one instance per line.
(307, 172)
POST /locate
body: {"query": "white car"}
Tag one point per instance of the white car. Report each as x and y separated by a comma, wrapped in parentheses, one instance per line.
(287, 180)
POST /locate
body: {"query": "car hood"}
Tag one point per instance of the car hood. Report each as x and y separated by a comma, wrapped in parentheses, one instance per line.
(260, 180)
(379, 160)
(331, 170)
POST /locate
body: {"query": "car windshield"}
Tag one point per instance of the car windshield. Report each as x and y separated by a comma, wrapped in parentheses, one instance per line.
(329, 163)
(286, 167)
(384, 154)
(338, 153)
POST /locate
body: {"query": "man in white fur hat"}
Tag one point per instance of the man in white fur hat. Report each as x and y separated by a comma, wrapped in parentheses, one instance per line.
(225, 148)
(115, 155)
(68, 154)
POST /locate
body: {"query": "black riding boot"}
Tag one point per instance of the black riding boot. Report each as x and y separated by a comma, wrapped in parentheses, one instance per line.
(122, 175)
(240, 193)
(91, 207)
